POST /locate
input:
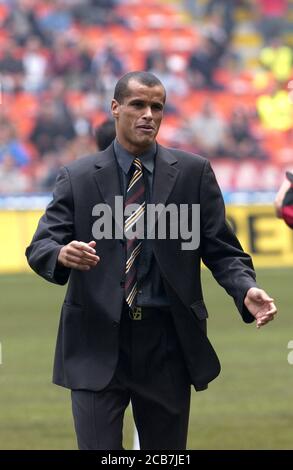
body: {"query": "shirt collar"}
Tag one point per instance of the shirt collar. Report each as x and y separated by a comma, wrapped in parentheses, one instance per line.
(125, 159)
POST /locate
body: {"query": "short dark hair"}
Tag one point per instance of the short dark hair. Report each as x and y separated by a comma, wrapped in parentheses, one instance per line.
(145, 78)
(105, 134)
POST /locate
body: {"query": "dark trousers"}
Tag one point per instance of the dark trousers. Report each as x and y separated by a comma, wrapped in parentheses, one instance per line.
(151, 373)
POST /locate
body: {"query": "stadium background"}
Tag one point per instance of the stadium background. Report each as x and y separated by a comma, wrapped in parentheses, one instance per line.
(227, 68)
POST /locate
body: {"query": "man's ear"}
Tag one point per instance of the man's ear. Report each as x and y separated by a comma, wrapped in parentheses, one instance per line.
(115, 108)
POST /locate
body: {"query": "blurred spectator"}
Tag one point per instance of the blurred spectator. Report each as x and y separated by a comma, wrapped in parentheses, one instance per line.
(22, 22)
(81, 123)
(9, 144)
(107, 66)
(51, 130)
(68, 62)
(107, 4)
(105, 134)
(284, 200)
(240, 142)
(194, 8)
(83, 79)
(213, 30)
(278, 59)
(202, 66)
(35, 65)
(225, 10)
(207, 131)
(98, 12)
(174, 84)
(47, 172)
(11, 66)
(57, 95)
(77, 117)
(275, 109)
(12, 180)
(81, 146)
(57, 18)
(153, 56)
(272, 16)
(105, 84)
(110, 58)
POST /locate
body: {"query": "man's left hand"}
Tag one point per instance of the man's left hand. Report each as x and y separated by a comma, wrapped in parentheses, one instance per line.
(260, 305)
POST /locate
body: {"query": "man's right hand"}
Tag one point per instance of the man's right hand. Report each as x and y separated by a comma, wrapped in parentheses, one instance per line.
(78, 255)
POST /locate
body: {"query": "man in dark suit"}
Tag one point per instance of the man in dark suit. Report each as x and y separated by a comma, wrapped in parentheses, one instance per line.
(133, 323)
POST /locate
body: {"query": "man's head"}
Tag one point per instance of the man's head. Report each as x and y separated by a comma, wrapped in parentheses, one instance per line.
(137, 108)
(105, 134)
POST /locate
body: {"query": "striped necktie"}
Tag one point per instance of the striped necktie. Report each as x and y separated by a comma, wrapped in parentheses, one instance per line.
(135, 195)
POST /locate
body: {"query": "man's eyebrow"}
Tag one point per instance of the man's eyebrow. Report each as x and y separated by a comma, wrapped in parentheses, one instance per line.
(140, 100)
(136, 100)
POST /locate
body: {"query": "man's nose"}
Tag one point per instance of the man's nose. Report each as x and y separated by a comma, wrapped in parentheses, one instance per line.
(148, 113)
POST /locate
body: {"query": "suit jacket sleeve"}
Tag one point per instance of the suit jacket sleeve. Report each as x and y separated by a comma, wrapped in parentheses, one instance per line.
(55, 229)
(220, 249)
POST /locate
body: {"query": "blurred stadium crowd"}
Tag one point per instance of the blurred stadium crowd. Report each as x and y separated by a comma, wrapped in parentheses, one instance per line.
(227, 66)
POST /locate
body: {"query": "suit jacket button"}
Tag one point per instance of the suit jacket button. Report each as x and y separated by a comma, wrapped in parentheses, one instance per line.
(122, 284)
(115, 324)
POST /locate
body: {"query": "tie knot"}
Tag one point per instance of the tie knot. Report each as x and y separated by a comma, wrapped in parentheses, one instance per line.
(137, 164)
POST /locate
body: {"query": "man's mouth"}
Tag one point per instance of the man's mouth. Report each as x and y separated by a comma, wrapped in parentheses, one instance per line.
(146, 128)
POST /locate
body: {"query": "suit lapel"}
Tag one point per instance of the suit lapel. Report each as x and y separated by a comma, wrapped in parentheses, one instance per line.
(166, 173)
(107, 179)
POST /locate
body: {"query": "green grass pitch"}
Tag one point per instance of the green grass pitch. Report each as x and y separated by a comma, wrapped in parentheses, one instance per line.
(249, 406)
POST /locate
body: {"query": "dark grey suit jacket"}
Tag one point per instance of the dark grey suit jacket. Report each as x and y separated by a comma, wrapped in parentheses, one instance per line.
(87, 344)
